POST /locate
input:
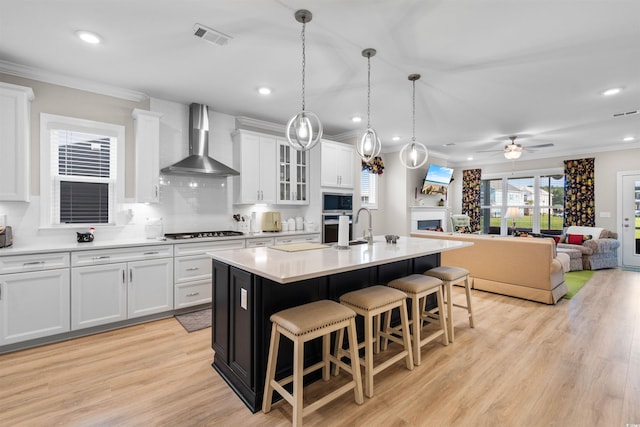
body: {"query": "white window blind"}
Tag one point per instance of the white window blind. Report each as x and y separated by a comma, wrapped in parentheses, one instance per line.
(83, 177)
(369, 189)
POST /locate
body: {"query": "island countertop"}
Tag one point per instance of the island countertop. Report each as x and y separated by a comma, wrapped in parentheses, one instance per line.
(287, 267)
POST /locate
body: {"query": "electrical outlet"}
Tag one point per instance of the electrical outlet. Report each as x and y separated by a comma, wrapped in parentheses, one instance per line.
(243, 298)
(605, 214)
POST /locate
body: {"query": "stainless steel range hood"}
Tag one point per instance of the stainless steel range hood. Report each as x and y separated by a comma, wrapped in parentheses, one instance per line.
(199, 162)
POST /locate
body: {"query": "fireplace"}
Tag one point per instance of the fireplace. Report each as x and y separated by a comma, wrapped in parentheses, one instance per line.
(429, 218)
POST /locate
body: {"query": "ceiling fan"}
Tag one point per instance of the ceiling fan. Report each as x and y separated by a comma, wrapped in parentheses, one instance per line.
(514, 151)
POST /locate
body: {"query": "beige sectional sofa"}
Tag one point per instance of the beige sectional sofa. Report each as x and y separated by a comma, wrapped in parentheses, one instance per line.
(518, 267)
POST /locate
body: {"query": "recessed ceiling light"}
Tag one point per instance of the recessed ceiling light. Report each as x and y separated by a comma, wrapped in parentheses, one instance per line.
(88, 37)
(396, 138)
(628, 139)
(264, 91)
(469, 158)
(612, 91)
(356, 119)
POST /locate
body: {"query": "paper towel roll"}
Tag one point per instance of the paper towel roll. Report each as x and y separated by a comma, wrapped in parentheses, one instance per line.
(343, 230)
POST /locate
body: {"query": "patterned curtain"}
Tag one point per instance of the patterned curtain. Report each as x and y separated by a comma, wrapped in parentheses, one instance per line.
(471, 196)
(579, 196)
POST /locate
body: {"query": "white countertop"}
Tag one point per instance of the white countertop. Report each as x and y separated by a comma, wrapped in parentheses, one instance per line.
(286, 267)
(34, 246)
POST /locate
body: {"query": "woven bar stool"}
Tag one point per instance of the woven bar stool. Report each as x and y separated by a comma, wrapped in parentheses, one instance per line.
(301, 324)
(451, 276)
(370, 303)
(418, 287)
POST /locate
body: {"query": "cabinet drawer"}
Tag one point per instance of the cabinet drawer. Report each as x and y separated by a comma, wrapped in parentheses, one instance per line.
(195, 267)
(194, 293)
(308, 238)
(23, 263)
(259, 241)
(204, 247)
(107, 256)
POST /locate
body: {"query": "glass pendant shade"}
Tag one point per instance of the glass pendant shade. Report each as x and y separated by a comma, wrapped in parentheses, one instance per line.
(369, 145)
(304, 130)
(512, 151)
(413, 154)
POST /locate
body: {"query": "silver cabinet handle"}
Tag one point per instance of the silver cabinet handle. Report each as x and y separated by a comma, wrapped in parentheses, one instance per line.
(193, 294)
(152, 253)
(33, 263)
(96, 258)
(130, 275)
(285, 241)
(193, 268)
(123, 276)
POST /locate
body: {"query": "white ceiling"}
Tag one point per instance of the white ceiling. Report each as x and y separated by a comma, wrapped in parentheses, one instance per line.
(490, 68)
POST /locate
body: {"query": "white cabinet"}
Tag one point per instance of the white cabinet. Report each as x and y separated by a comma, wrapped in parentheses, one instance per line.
(293, 175)
(116, 284)
(336, 164)
(255, 158)
(304, 238)
(15, 119)
(147, 137)
(34, 297)
(192, 268)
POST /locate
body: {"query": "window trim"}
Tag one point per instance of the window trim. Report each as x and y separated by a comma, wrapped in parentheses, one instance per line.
(47, 181)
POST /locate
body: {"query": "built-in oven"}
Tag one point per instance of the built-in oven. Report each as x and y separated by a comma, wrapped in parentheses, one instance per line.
(334, 205)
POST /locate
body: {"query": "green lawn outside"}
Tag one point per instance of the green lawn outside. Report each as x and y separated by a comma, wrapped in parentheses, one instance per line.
(556, 223)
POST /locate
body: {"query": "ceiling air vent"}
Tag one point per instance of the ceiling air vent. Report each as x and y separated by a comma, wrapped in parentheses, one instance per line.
(211, 35)
(627, 113)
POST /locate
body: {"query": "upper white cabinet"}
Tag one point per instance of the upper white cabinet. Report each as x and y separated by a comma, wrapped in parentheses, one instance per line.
(15, 119)
(255, 157)
(147, 136)
(293, 175)
(336, 164)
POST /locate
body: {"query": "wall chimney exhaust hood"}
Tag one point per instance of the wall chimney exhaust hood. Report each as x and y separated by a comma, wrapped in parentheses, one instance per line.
(199, 162)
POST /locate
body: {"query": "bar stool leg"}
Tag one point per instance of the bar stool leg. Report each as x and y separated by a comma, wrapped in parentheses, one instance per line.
(355, 359)
(405, 337)
(443, 322)
(467, 289)
(368, 355)
(298, 374)
(416, 325)
(271, 369)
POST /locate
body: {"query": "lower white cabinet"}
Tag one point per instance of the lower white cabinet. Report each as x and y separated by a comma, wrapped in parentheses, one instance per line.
(109, 292)
(33, 305)
(256, 242)
(305, 238)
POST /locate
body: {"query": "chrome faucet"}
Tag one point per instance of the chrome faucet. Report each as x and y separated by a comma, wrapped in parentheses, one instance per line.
(368, 234)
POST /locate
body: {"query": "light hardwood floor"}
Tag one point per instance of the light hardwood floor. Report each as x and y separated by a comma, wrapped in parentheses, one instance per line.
(525, 364)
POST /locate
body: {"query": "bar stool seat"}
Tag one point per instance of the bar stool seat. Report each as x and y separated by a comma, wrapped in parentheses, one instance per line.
(371, 303)
(450, 276)
(301, 324)
(418, 287)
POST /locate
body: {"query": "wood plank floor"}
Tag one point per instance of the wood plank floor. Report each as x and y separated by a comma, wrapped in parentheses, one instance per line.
(525, 364)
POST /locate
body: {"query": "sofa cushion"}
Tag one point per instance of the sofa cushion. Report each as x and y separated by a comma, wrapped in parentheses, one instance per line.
(594, 232)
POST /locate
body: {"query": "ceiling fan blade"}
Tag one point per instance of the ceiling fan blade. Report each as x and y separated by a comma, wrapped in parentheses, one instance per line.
(539, 146)
(490, 151)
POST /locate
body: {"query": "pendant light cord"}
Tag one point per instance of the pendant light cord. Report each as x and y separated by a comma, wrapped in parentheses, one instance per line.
(413, 139)
(368, 91)
(304, 61)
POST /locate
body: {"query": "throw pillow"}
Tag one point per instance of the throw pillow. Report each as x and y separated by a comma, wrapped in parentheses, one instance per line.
(577, 239)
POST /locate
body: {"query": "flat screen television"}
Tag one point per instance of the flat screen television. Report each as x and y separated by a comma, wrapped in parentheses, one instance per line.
(437, 180)
(438, 175)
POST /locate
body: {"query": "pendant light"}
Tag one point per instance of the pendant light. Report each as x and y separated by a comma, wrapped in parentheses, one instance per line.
(414, 154)
(304, 130)
(369, 145)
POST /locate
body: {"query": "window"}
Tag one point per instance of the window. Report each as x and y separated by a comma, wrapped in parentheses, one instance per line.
(369, 189)
(82, 171)
(539, 197)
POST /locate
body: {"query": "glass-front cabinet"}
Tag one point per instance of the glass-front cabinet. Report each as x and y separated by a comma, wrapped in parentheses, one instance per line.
(293, 175)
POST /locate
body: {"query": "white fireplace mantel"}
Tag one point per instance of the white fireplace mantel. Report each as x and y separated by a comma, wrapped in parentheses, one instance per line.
(428, 213)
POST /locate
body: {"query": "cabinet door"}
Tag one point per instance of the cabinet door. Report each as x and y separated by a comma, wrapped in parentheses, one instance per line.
(255, 156)
(292, 175)
(14, 134)
(98, 295)
(336, 165)
(33, 305)
(268, 170)
(147, 137)
(241, 326)
(150, 287)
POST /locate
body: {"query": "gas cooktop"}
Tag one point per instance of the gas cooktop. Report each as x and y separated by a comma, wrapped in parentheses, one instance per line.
(202, 234)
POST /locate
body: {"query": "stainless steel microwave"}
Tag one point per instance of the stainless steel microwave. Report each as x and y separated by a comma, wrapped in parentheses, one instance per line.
(337, 202)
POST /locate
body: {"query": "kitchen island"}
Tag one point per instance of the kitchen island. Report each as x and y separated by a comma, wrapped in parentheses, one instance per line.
(249, 285)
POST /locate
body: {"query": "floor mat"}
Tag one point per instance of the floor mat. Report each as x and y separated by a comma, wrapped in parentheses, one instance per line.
(196, 320)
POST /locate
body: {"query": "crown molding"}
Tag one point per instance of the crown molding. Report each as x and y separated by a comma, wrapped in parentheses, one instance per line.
(71, 82)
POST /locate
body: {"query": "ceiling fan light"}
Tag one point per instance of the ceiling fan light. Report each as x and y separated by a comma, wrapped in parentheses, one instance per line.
(511, 154)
